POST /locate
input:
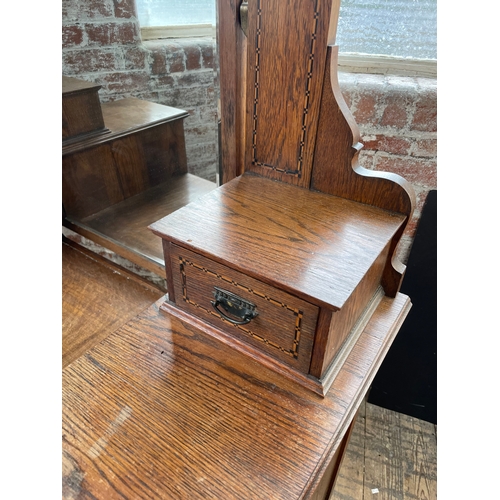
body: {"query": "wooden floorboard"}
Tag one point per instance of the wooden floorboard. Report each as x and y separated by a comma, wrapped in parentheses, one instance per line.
(97, 298)
(391, 456)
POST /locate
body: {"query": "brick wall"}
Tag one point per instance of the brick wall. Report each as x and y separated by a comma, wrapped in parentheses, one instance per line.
(102, 44)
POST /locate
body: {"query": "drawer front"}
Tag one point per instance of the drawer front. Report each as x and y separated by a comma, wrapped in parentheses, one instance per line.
(284, 326)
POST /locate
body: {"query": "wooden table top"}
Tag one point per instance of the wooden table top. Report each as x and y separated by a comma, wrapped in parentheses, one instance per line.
(161, 410)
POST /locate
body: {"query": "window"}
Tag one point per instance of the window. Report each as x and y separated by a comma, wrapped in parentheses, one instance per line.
(176, 18)
(388, 36)
(399, 28)
(372, 34)
(175, 12)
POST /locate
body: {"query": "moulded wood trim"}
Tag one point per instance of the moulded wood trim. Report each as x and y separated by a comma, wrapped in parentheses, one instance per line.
(386, 65)
(181, 31)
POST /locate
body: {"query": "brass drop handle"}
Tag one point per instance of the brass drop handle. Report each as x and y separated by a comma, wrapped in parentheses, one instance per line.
(244, 16)
(243, 310)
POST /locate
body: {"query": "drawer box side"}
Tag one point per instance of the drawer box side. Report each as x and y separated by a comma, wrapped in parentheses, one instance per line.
(345, 319)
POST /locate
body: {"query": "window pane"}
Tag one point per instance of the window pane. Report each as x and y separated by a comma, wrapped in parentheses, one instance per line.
(175, 12)
(403, 28)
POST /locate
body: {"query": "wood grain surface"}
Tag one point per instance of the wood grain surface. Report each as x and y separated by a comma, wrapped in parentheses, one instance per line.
(124, 117)
(391, 453)
(81, 109)
(160, 410)
(123, 227)
(298, 128)
(336, 169)
(97, 177)
(232, 46)
(284, 327)
(317, 246)
(97, 299)
(285, 64)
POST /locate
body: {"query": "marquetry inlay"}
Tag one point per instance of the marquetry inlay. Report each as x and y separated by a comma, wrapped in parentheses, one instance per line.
(303, 101)
(293, 351)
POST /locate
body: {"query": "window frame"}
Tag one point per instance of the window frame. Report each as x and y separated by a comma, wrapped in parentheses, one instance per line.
(178, 31)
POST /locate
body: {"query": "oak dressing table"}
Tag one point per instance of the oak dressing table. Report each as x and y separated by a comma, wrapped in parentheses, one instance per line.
(283, 293)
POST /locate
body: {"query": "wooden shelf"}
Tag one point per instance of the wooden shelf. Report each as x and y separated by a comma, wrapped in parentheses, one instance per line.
(123, 227)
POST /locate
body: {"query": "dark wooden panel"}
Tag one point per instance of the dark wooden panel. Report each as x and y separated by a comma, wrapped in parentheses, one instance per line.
(98, 177)
(231, 45)
(343, 320)
(96, 300)
(81, 108)
(90, 181)
(286, 61)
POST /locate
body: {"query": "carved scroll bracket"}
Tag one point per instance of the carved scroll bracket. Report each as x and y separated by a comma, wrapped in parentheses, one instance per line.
(336, 169)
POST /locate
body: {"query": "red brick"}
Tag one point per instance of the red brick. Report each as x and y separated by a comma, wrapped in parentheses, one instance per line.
(203, 79)
(186, 98)
(163, 81)
(135, 57)
(395, 114)
(90, 9)
(425, 116)
(366, 108)
(71, 36)
(175, 58)
(414, 170)
(112, 33)
(98, 34)
(426, 148)
(411, 228)
(365, 159)
(207, 54)
(125, 9)
(395, 145)
(347, 98)
(126, 33)
(159, 64)
(126, 82)
(193, 55)
(88, 61)
(421, 195)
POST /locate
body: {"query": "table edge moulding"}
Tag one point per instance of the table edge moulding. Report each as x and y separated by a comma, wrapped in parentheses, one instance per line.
(302, 223)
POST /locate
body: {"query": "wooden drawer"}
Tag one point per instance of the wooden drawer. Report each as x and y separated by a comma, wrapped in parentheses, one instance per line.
(313, 265)
(284, 327)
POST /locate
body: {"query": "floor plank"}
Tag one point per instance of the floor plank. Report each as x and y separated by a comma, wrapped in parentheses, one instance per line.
(391, 456)
(350, 479)
(96, 300)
